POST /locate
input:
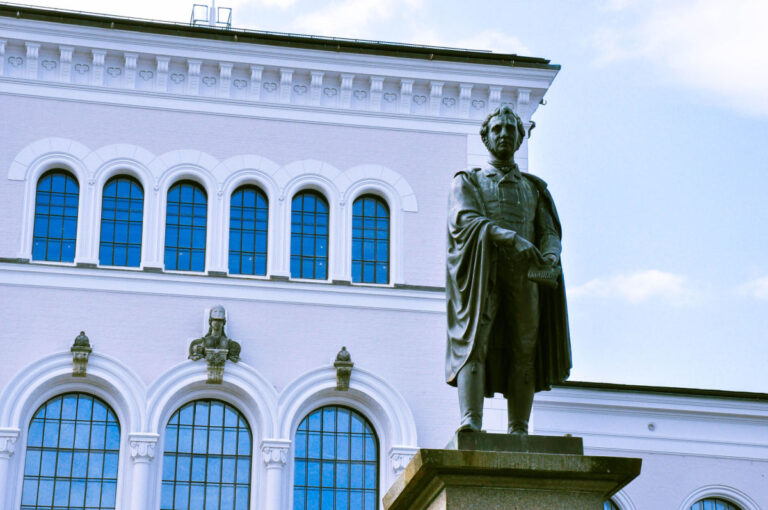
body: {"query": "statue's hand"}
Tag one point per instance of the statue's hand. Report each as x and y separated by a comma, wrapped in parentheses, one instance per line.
(526, 249)
(552, 259)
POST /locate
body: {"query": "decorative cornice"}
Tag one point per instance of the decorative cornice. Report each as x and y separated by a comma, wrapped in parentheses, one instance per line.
(274, 452)
(142, 446)
(332, 80)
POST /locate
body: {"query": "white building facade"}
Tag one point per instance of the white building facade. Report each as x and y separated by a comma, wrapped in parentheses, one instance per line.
(261, 154)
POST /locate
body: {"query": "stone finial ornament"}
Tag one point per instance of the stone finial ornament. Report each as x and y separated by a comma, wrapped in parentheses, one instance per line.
(215, 346)
(343, 366)
(81, 351)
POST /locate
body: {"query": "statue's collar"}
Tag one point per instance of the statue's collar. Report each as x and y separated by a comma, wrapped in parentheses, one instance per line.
(504, 168)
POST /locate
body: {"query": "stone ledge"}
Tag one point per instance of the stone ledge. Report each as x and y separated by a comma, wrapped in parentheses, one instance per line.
(470, 440)
(481, 480)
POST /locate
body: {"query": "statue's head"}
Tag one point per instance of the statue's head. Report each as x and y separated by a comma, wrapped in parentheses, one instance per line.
(217, 318)
(502, 132)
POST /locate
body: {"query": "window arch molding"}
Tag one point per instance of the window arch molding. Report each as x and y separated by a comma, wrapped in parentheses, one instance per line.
(116, 168)
(730, 494)
(369, 395)
(37, 169)
(156, 231)
(275, 224)
(243, 387)
(390, 196)
(108, 379)
(310, 182)
(623, 501)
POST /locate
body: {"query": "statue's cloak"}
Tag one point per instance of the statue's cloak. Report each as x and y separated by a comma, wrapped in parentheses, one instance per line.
(472, 297)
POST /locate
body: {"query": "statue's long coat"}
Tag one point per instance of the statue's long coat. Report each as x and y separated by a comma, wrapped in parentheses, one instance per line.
(472, 297)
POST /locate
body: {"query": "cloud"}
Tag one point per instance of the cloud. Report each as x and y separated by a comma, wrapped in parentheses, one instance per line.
(352, 18)
(709, 45)
(649, 285)
(493, 40)
(757, 289)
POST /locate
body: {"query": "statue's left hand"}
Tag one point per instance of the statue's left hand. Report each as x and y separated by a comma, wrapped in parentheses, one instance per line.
(552, 259)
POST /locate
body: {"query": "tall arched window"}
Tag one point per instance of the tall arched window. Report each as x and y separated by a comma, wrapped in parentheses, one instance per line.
(309, 236)
(122, 212)
(55, 229)
(185, 222)
(336, 461)
(207, 458)
(248, 221)
(72, 455)
(714, 504)
(370, 240)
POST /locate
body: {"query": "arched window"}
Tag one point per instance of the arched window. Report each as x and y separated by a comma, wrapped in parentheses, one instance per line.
(207, 458)
(336, 461)
(610, 505)
(248, 220)
(72, 455)
(370, 240)
(122, 211)
(309, 236)
(714, 504)
(55, 228)
(185, 222)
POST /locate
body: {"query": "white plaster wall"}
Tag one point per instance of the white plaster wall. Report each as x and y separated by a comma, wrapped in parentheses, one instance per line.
(151, 334)
(426, 160)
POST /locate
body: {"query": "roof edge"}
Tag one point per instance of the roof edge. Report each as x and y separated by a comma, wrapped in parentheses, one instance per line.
(667, 390)
(338, 45)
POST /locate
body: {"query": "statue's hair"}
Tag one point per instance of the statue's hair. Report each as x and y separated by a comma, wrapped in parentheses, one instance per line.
(506, 111)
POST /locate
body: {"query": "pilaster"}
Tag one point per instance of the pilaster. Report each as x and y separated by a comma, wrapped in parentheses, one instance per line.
(274, 453)
(129, 81)
(256, 72)
(286, 80)
(406, 95)
(98, 67)
(193, 71)
(225, 78)
(345, 96)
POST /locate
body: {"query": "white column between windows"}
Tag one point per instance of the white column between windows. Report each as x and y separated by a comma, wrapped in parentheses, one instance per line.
(274, 453)
(142, 446)
(8, 439)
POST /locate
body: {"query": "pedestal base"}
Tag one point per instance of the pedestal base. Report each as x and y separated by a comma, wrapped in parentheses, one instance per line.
(492, 480)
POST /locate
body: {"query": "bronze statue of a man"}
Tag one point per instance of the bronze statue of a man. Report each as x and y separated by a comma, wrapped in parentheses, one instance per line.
(507, 333)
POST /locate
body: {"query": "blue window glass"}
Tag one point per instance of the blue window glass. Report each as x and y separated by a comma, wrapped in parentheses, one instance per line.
(72, 455)
(714, 504)
(336, 462)
(248, 218)
(370, 240)
(309, 236)
(185, 223)
(610, 505)
(207, 458)
(122, 212)
(55, 228)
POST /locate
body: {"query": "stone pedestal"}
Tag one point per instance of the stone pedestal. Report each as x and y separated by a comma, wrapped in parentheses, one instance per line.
(464, 479)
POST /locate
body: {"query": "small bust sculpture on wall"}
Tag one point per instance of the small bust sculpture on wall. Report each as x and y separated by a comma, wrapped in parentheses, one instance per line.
(215, 346)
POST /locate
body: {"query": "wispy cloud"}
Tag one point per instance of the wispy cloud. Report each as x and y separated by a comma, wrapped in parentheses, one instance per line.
(757, 288)
(352, 18)
(710, 45)
(637, 287)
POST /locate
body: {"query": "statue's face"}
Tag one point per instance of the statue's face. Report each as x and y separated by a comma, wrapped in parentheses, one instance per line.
(502, 136)
(217, 325)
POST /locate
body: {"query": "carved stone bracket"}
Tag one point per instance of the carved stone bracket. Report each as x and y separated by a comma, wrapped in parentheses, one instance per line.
(400, 456)
(81, 351)
(8, 439)
(216, 359)
(274, 452)
(343, 366)
(142, 447)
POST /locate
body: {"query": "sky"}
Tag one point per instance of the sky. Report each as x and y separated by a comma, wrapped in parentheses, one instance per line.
(654, 141)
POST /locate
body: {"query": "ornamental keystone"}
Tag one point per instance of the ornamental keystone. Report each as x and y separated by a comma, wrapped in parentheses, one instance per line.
(343, 366)
(81, 351)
